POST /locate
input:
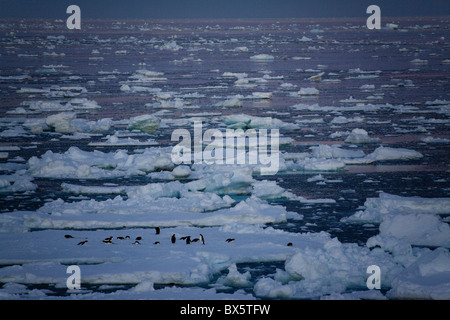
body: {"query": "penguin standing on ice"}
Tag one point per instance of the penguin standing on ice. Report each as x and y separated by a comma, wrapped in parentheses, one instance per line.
(202, 239)
(174, 238)
(188, 239)
(158, 231)
(108, 240)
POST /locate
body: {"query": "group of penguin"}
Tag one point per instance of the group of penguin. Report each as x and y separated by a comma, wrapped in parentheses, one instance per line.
(109, 240)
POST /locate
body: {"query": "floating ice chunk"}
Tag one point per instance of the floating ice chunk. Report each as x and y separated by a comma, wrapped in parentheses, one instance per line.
(222, 180)
(31, 90)
(170, 45)
(76, 163)
(387, 153)
(317, 164)
(181, 172)
(301, 58)
(115, 140)
(233, 102)
(343, 120)
(149, 73)
(78, 189)
(367, 87)
(305, 39)
(241, 49)
(352, 100)
(435, 140)
(14, 78)
(14, 132)
(388, 204)
(330, 268)
(18, 110)
(262, 95)
(419, 61)
(238, 75)
(330, 152)
(262, 57)
(317, 77)
(426, 278)
(145, 123)
(269, 288)
(391, 26)
(269, 190)
(308, 91)
(315, 178)
(16, 183)
(236, 279)
(241, 121)
(67, 122)
(413, 228)
(83, 103)
(360, 136)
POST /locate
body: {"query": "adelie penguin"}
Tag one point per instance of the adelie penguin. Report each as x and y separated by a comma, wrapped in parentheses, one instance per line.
(157, 230)
(229, 240)
(188, 239)
(173, 238)
(202, 239)
(82, 242)
(68, 236)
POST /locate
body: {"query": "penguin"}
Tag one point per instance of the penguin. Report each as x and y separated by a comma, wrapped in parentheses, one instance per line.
(195, 240)
(120, 238)
(127, 237)
(202, 239)
(68, 236)
(107, 241)
(229, 240)
(138, 238)
(157, 242)
(136, 242)
(289, 244)
(188, 239)
(158, 231)
(82, 242)
(183, 238)
(174, 238)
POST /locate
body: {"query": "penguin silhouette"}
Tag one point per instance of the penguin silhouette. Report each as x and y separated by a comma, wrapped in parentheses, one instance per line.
(202, 239)
(174, 238)
(158, 231)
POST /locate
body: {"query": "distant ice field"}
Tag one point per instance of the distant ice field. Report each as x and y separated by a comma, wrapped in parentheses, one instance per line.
(86, 123)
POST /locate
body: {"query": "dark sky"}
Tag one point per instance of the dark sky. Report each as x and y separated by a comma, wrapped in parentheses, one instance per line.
(194, 9)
